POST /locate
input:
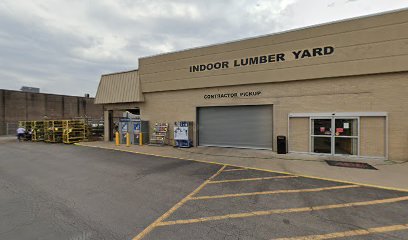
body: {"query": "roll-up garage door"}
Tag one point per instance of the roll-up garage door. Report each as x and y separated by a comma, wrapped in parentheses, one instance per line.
(235, 126)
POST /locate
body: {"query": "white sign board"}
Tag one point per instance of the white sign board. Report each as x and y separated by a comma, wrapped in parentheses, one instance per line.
(180, 133)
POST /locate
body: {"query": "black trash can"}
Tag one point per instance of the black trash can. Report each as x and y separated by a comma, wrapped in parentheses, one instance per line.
(281, 144)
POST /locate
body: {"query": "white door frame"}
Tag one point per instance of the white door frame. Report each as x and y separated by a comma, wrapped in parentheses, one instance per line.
(333, 136)
(339, 115)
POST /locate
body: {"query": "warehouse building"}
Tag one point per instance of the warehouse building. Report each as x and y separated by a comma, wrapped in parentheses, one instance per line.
(31, 106)
(339, 89)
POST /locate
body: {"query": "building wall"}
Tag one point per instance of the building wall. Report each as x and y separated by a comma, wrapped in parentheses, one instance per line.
(369, 45)
(369, 93)
(35, 105)
(24, 106)
(372, 132)
(88, 108)
(54, 106)
(367, 72)
(299, 135)
(15, 105)
(70, 107)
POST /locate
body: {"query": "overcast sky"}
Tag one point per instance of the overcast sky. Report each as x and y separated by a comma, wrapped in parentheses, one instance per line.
(64, 46)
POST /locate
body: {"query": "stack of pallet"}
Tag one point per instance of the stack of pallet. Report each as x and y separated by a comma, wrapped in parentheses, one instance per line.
(38, 131)
(53, 131)
(27, 125)
(74, 131)
(63, 131)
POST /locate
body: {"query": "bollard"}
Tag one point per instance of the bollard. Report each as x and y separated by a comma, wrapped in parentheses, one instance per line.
(117, 138)
(127, 140)
(140, 139)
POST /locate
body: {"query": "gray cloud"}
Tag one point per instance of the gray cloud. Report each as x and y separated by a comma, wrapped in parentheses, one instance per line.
(64, 46)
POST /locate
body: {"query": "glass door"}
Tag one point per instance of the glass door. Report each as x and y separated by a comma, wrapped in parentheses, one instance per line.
(346, 136)
(321, 135)
(334, 135)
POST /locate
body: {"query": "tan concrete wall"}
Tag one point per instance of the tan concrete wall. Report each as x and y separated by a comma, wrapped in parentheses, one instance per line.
(370, 93)
(368, 72)
(369, 45)
(299, 135)
(106, 128)
(372, 136)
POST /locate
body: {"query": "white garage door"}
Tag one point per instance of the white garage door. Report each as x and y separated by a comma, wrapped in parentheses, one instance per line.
(236, 126)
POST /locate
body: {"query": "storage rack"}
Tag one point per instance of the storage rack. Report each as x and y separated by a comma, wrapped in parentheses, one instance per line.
(94, 130)
(38, 131)
(25, 124)
(74, 131)
(160, 134)
(53, 131)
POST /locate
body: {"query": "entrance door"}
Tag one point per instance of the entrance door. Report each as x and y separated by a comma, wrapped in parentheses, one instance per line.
(321, 138)
(335, 135)
(346, 136)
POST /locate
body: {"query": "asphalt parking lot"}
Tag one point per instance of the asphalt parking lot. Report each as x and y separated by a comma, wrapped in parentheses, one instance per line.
(55, 191)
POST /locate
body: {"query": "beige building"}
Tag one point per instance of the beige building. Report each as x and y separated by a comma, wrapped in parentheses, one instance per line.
(339, 89)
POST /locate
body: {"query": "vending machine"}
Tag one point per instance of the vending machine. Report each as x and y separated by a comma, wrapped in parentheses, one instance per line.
(135, 127)
(140, 128)
(183, 134)
(124, 126)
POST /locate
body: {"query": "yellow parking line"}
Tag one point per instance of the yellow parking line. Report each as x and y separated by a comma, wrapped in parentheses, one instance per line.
(274, 192)
(235, 169)
(282, 211)
(350, 233)
(175, 207)
(252, 179)
(246, 167)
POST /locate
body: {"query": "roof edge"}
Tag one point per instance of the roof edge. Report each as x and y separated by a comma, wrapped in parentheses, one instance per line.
(281, 32)
(46, 93)
(113, 103)
(107, 74)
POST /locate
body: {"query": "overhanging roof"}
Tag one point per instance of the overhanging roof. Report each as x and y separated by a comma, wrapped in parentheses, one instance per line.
(119, 87)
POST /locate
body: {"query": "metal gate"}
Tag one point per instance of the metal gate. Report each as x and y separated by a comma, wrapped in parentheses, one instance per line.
(236, 126)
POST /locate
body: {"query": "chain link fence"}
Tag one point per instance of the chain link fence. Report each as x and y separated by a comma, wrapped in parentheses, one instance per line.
(8, 128)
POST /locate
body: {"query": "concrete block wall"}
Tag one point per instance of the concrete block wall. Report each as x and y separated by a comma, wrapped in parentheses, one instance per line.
(35, 105)
(54, 107)
(24, 106)
(70, 107)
